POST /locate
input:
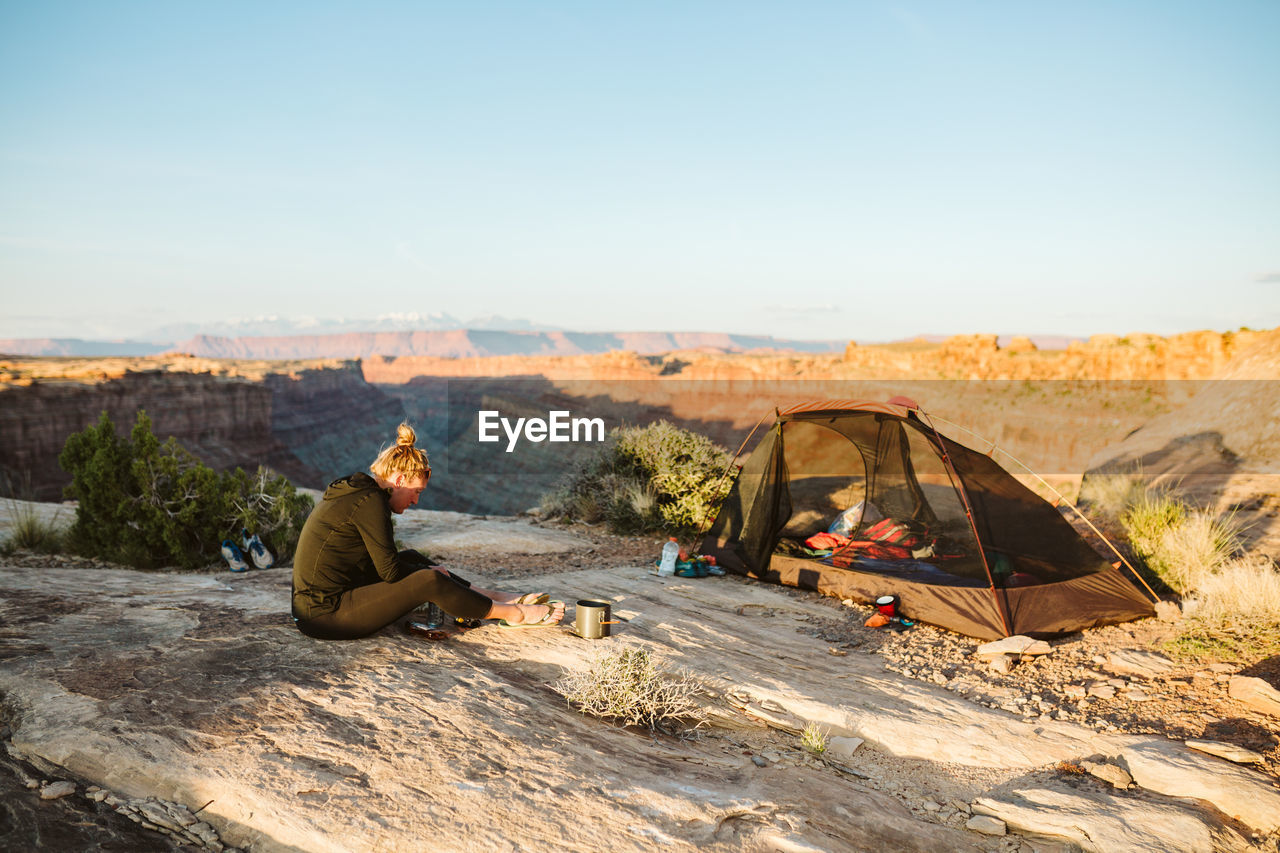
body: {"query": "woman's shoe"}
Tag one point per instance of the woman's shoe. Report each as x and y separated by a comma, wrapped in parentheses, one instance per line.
(234, 558)
(257, 551)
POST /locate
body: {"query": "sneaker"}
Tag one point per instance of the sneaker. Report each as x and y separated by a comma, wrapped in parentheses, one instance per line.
(257, 551)
(235, 559)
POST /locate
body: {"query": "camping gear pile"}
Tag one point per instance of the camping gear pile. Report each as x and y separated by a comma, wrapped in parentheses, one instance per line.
(855, 499)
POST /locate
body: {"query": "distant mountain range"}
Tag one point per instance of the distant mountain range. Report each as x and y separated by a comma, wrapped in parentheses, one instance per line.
(272, 326)
(450, 343)
(424, 334)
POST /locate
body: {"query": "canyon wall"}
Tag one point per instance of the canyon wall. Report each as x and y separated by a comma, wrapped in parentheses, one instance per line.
(318, 419)
(309, 421)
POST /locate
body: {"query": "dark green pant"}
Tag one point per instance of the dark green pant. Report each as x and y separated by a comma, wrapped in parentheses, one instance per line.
(366, 609)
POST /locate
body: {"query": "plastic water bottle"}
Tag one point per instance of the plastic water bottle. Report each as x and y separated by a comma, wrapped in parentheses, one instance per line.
(670, 551)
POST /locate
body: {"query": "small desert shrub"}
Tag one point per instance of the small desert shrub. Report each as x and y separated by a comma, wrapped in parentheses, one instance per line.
(33, 532)
(1111, 494)
(655, 478)
(630, 687)
(1181, 545)
(813, 739)
(1225, 638)
(148, 504)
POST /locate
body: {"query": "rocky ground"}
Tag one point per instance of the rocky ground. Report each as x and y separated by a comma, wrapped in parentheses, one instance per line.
(1113, 681)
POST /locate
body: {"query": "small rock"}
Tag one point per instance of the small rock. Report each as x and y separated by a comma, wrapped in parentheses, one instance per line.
(1015, 645)
(1135, 694)
(1098, 690)
(1256, 693)
(1075, 691)
(1137, 662)
(181, 815)
(99, 795)
(930, 806)
(986, 824)
(157, 814)
(1229, 751)
(1099, 660)
(1202, 673)
(1117, 776)
(844, 747)
(759, 761)
(57, 790)
(1001, 664)
(1222, 667)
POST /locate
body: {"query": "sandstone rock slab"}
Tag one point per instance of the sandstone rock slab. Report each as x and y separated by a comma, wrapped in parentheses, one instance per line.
(1256, 693)
(1015, 645)
(1229, 751)
(442, 532)
(844, 747)
(1117, 777)
(986, 824)
(1139, 662)
(198, 690)
(1171, 769)
(1100, 823)
(57, 790)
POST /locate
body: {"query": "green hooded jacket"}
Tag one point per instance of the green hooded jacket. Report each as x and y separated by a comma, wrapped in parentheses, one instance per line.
(346, 543)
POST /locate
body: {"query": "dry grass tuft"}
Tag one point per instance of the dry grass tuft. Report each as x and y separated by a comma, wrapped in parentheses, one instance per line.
(630, 687)
(1246, 588)
(1183, 546)
(1111, 494)
(32, 532)
(813, 739)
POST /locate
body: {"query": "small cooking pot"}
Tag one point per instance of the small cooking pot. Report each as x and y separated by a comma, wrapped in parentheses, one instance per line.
(592, 618)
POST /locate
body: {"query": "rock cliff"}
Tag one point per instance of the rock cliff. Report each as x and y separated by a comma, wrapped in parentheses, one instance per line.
(306, 420)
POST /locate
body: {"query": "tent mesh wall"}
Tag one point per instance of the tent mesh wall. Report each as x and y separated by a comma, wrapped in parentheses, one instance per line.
(1019, 567)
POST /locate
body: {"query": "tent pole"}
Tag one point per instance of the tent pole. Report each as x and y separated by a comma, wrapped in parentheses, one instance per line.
(1063, 499)
(958, 485)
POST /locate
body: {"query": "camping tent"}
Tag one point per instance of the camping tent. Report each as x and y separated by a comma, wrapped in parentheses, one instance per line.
(960, 541)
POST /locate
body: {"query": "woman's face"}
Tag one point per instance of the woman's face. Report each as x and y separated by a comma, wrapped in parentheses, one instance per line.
(405, 491)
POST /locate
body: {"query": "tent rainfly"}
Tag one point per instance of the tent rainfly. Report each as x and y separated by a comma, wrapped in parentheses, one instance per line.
(962, 543)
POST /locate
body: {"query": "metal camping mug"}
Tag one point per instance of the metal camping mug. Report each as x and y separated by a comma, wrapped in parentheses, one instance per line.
(591, 618)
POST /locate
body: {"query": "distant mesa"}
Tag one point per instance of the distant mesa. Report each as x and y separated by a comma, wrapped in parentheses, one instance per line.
(77, 346)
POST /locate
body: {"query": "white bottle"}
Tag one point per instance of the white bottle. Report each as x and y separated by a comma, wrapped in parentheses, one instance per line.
(670, 552)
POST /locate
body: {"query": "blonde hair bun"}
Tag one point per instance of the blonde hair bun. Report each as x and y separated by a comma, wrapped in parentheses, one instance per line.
(402, 457)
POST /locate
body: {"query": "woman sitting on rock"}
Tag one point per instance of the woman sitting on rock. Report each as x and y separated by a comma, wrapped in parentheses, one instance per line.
(350, 581)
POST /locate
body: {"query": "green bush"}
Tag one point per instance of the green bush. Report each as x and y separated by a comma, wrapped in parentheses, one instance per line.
(148, 504)
(655, 478)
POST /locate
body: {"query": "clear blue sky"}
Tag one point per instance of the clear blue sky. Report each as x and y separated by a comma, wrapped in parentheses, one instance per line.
(862, 170)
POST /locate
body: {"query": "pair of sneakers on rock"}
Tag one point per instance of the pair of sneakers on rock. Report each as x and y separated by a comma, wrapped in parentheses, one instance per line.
(253, 546)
